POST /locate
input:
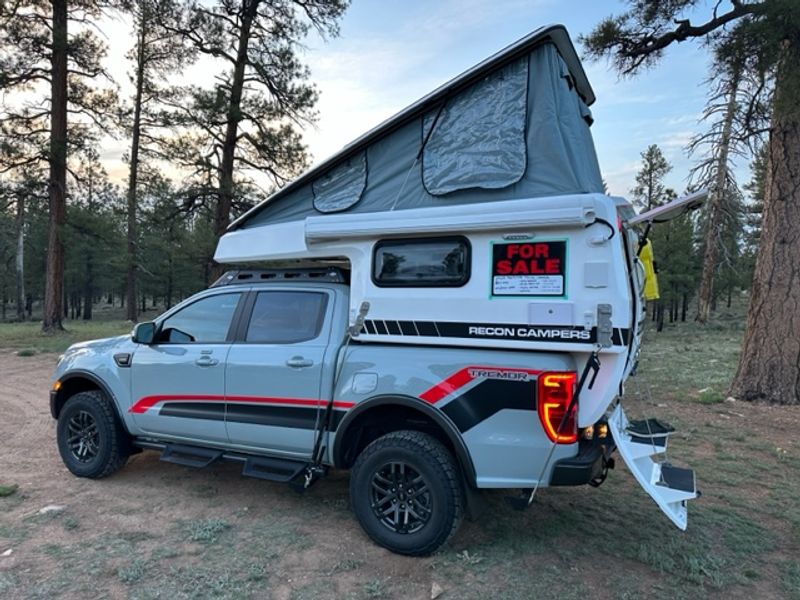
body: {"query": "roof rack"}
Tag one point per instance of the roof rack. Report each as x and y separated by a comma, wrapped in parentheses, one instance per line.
(328, 275)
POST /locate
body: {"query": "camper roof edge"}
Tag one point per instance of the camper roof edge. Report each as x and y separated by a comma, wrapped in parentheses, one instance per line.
(574, 211)
(307, 238)
(554, 33)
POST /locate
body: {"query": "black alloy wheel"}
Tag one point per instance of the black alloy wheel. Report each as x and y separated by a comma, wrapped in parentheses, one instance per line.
(91, 439)
(84, 437)
(405, 489)
(401, 498)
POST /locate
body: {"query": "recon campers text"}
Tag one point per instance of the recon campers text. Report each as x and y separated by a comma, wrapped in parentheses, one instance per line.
(532, 332)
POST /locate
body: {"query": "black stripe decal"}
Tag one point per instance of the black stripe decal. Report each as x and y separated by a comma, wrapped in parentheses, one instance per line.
(293, 417)
(407, 327)
(490, 397)
(426, 328)
(210, 411)
(392, 327)
(496, 331)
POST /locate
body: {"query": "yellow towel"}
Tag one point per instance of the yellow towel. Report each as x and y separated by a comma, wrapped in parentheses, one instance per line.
(650, 277)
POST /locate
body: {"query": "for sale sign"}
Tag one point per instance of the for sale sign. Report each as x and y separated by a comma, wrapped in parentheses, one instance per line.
(529, 268)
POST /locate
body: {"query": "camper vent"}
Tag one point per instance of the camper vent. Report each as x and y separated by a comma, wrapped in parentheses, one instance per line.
(328, 275)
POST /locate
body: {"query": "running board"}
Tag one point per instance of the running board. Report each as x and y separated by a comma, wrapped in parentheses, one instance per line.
(261, 467)
(273, 469)
(189, 456)
(639, 442)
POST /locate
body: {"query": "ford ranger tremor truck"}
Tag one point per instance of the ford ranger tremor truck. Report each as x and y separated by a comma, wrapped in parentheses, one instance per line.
(253, 371)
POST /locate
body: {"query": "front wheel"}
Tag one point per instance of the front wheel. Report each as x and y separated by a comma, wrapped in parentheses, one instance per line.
(406, 494)
(91, 440)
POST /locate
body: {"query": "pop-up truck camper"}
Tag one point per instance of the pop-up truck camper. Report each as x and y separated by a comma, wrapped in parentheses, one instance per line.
(450, 303)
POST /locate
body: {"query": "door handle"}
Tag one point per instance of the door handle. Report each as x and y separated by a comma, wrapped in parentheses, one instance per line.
(298, 362)
(206, 361)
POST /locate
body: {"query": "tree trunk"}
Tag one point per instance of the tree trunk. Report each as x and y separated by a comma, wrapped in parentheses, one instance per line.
(715, 211)
(54, 278)
(234, 117)
(131, 313)
(20, 257)
(684, 307)
(88, 289)
(769, 366)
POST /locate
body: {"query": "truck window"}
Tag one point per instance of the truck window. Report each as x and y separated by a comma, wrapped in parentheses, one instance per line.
(430, 262)
(204, 321)
(286, 317)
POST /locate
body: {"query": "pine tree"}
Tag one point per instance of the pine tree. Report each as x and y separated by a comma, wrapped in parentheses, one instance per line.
(39, 52)
(249, 119)
(157, 56)
(649, 189)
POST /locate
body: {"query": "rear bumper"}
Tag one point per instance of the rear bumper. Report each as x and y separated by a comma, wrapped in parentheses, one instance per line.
(593, 458)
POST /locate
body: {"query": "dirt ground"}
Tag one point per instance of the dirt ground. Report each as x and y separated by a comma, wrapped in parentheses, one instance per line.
(156, 530)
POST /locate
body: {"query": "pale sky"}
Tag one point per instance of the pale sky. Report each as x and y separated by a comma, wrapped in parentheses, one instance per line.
(392, 52)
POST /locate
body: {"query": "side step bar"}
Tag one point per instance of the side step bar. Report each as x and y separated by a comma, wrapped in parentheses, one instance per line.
(189, 456)
(639, 443)
(262, 467)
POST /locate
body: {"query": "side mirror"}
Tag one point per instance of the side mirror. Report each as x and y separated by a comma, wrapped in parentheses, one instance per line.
(144, 333)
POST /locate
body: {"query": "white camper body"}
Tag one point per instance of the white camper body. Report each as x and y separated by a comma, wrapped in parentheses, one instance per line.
(506, 302)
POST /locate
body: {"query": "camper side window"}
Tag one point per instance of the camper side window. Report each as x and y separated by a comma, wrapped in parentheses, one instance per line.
(431, 262)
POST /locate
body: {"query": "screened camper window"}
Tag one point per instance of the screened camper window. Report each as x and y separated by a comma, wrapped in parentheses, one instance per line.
(432, 262)
(341, 187)
(478, 139)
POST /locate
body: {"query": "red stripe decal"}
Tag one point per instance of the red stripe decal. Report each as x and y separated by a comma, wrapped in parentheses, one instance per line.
(149, 401)
(461, 378)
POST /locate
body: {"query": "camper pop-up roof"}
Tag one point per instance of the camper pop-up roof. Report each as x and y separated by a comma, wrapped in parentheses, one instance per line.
(514, 126)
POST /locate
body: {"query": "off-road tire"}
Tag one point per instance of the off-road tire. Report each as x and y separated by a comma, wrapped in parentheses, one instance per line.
(431, 460)
(113, 442)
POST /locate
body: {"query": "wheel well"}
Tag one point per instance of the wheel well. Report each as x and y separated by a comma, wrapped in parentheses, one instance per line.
(385, 418)
(69, 388)
(82, 383)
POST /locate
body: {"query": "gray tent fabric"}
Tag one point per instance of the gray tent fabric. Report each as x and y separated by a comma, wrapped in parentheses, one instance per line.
(477, 140)
(342, 187)
(558, 152)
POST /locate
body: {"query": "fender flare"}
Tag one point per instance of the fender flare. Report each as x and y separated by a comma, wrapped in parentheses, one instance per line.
(102, 385)
(437, 416)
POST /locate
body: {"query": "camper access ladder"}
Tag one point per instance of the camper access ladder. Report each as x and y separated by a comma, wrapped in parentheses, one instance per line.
(642, 445)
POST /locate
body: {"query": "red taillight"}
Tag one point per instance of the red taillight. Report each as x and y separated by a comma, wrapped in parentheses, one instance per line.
(555, 395)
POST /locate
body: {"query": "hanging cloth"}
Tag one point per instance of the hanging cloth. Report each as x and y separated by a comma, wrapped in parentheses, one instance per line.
(650, 277)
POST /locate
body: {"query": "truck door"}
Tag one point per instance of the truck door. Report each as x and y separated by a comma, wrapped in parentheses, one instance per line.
(178, 382)
(275, 371)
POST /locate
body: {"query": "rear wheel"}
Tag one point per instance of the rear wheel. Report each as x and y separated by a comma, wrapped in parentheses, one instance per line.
(91, 440)
(406, 494)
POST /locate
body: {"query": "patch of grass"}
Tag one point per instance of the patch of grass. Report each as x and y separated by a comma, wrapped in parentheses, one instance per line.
(163, 553)
(70, 523)
(27, 338)
(7, 581)
(8, 490)
(317, 590)
(709, 396)
(348, 564)
(374, 589)
(791, 579)
(132, 571)
(206, 531)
